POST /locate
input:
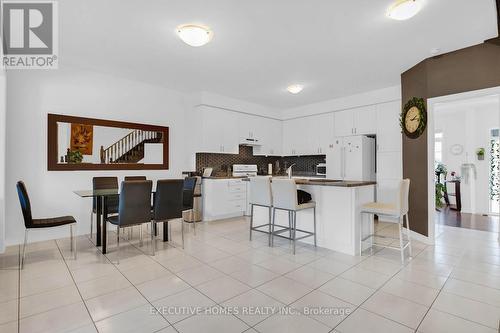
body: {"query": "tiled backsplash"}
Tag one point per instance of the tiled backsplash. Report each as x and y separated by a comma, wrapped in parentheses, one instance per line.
(222, 163)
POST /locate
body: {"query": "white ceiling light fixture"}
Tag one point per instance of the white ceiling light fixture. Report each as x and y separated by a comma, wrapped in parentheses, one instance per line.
(194, 35)
(295, 88)
(404, 9)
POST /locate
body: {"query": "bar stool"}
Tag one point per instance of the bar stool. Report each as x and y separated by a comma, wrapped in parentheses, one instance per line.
(261, 195)
(284, 193)
(394, 210)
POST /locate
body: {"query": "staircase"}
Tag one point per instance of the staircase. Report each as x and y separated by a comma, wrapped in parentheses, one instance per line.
(130, 148)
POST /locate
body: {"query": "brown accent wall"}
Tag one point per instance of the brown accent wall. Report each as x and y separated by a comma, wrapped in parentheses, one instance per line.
(472, 68)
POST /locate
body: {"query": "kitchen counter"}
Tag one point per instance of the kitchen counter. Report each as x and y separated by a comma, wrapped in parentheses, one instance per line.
(324, 182)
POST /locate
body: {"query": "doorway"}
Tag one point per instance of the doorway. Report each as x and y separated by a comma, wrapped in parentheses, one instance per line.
(464, 160)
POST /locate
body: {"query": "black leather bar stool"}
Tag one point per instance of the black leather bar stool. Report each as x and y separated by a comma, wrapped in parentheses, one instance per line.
(134, 208)
(168, 204)
(31, 223)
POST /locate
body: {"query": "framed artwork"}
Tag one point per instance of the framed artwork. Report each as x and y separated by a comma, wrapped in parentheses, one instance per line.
(82, 137)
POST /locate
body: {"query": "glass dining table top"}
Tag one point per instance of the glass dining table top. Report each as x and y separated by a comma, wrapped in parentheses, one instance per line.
(99, 193)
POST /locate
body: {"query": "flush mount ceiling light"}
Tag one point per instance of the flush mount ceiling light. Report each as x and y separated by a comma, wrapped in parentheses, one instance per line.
(404, 9)
(295, 88)
(194, 35)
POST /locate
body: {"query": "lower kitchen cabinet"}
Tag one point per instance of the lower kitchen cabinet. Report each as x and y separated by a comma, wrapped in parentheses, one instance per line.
(223, 198)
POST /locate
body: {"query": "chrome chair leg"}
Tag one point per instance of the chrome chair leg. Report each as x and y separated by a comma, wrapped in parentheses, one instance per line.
(72, 240)
(182, 232)
(251, 220)
(118, 245)
(272, 227)
(294, 221)
(270, 222)
(315, 238)
(408, 234)
(24, 248)
(91, 224)
(194, 222)
(140, 235)
(153, 241)
(401, 241)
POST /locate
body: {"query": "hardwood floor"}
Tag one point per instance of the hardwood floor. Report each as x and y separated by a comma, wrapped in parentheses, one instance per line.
(453, 218)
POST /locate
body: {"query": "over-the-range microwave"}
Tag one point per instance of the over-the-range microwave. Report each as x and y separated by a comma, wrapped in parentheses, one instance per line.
(321, 169)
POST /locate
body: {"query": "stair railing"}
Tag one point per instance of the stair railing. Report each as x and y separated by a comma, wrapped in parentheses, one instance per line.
(126, 144)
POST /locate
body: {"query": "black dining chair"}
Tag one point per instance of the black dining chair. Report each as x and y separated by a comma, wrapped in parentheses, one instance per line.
(188, 199)
(104, 183)
(134, 208)
(168, 203)
(129, 178)
(31, 223)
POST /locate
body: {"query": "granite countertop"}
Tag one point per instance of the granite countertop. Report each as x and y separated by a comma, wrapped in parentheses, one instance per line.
(323, 182)
(331, 182)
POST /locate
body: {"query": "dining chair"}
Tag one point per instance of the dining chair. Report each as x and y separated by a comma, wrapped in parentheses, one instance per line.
(134, 208)
(168, 203)
(129, 178)
(104, 183)
(397, 210)
(188, 200)
(31, 223)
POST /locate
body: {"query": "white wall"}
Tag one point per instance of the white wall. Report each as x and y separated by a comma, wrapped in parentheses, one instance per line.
(468, 123)
(348, 102)
(2, 161)
(33, 94)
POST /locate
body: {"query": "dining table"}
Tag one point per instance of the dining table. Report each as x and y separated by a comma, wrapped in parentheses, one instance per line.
(101, 196)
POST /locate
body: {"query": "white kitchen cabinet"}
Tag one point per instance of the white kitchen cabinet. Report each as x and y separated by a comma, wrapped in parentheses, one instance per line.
(219, 130)
(388, 128)
(344, 123)
(250, 126)
(358, 121)
(270, 138)
(223, 198)
(321, 133)
(365, 120)
(294, 137)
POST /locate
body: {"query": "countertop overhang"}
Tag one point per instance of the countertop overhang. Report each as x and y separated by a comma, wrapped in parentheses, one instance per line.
(313, 181)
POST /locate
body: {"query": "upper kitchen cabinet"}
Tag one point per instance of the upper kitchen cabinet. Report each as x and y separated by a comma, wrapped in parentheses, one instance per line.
(250, 128)
(295, 134)
(219, 130)
(321, 131)
(358, 121)
(270, 139)
(388, 129)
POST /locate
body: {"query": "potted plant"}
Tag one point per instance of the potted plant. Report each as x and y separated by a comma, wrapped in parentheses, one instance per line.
(441, 170)
(440, 188)
(480, 154)
(74, 156)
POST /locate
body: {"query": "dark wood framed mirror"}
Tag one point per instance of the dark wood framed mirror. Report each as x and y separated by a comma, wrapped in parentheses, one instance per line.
(77, 143)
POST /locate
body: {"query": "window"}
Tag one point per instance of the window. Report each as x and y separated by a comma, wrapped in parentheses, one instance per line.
(438, 147)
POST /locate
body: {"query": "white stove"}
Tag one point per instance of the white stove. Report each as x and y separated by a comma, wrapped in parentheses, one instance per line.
(244, 170)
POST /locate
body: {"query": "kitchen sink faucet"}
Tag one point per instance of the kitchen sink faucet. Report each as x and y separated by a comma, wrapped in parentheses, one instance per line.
(289, 171)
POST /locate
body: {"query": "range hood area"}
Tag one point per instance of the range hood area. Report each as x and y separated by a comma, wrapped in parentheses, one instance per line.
(252, 142)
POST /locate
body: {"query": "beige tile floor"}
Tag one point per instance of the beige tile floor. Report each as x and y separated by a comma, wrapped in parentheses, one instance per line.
(222, 282)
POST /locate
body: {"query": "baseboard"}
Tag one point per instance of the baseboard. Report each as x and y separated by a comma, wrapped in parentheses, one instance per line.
(419, 237)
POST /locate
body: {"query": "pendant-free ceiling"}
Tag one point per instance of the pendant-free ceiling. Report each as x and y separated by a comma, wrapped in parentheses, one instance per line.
(194, 35)
(404, 9)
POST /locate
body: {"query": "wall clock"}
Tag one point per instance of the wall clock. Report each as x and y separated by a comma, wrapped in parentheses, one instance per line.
(413, 118)
(457, 149)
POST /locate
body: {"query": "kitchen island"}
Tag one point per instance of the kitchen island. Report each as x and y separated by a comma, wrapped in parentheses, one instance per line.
(338, 217)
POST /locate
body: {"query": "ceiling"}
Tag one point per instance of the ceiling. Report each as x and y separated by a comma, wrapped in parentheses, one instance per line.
(335, 48)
